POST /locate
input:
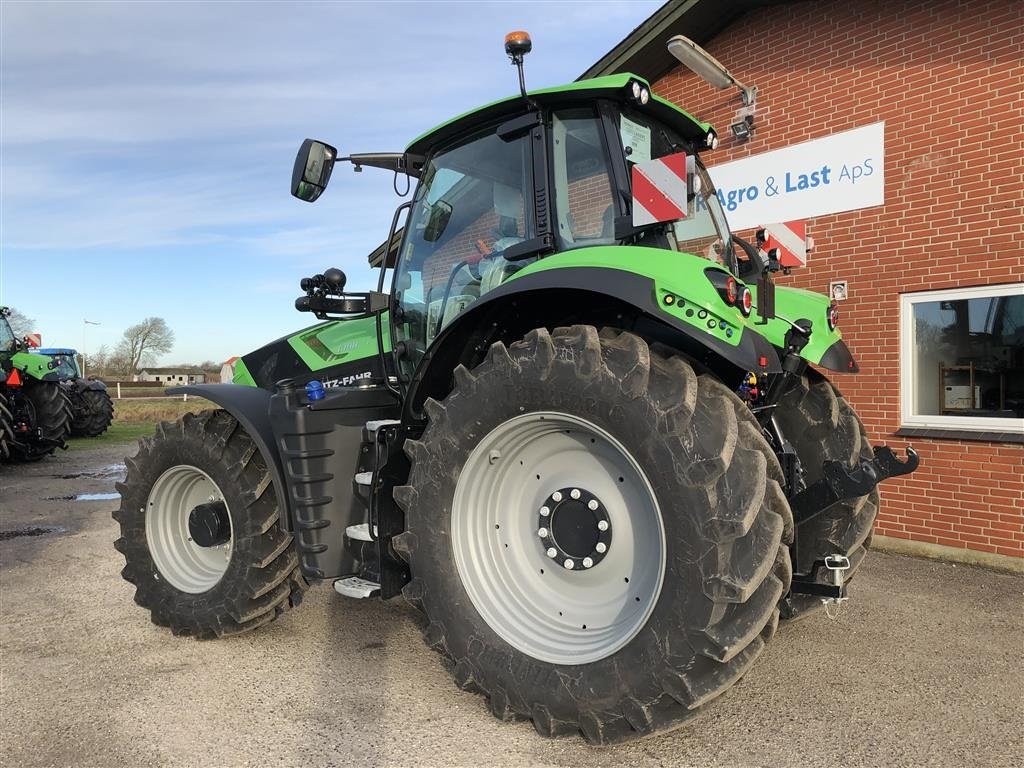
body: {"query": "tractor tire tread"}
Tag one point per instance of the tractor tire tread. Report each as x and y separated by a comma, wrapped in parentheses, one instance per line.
(744, 572)
(826, 426)
(263, 580)
(93, 414)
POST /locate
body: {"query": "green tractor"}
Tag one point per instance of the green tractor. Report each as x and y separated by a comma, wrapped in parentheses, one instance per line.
(35, 414)
(582, 443)
(92, 410)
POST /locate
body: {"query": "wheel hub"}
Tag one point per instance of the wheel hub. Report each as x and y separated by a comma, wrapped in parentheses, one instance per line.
(188, 529)
(208, 524)
(560, 615)
(574, 528)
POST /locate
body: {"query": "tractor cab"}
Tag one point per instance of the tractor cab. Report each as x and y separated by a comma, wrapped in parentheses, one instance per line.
(526, 179)
(8, 341)
(65, 359)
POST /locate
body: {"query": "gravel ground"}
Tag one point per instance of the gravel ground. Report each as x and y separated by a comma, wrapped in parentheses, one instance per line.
(922, 667)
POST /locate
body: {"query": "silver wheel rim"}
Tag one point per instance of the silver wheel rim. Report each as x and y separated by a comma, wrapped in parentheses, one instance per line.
(526, 597)
(181, 562)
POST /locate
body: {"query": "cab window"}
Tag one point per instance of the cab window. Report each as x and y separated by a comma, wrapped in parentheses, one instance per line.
(469, 208)
(704, 231)
(584, 204)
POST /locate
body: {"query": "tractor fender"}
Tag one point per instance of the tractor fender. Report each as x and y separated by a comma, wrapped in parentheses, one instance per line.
(251, 406)
(839, 358)
(570, 295)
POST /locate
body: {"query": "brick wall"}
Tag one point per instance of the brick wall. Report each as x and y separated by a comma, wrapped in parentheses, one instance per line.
(947, 77)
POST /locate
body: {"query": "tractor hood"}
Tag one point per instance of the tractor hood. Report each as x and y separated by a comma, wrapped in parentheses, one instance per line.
(825, 347)
(36, 366)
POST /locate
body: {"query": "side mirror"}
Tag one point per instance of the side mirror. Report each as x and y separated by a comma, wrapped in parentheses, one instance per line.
(437, 221)
(312, 170)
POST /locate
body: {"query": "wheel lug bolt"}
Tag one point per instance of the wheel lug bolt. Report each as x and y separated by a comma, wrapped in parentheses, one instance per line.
(552, 552)
(575, 493)
(602, 525)
(542, 532)
(556, 496)
(569, 564)
(545, 511)
(592, 504)
(587, 562)
(601, 547)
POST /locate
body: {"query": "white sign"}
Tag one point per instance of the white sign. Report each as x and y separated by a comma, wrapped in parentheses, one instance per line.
(636, 139)
(841, 172)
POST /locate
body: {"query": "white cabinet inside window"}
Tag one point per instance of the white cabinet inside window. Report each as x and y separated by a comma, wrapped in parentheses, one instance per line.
(962, 358)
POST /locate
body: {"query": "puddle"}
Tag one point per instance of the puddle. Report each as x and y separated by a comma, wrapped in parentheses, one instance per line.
(84, 497)
(110, 469)
(31, 530)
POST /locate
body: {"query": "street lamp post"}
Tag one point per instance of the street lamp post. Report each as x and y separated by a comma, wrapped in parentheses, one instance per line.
(85, 324)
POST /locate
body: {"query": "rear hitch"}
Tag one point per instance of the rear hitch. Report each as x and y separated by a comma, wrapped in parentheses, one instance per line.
(840, 482)
(831, 592)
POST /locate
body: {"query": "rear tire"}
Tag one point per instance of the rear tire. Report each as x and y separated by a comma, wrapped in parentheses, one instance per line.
(821, 425)
(93, 412)
(258, 578)
(6, 428)
(724, 518)
(46, 408)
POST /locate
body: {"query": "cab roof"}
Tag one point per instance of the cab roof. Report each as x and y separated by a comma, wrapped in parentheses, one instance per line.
(613, 87)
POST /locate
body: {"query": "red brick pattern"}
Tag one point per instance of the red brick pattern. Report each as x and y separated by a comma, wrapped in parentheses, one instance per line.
(947, 77)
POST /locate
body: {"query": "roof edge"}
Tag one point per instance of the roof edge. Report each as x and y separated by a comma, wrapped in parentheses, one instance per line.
(645, 34)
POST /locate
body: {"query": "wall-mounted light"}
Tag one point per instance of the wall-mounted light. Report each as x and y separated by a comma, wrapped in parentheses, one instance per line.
(708, 67)
(743, 129)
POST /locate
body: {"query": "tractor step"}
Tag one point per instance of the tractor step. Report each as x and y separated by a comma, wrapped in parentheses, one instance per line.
(360, 532)
(356, 587)
(373, 426)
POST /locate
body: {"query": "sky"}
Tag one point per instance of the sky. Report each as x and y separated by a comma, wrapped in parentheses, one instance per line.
(146, 148)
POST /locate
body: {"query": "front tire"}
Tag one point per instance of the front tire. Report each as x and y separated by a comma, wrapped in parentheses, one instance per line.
(93, 412)
(821, 425)
(250, 576)
(698, 525)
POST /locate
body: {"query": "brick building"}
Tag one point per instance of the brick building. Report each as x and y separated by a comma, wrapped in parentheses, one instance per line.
(935, 305)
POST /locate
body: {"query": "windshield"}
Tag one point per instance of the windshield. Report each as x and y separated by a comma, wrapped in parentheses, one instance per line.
(67, 366)
(7, 341)
(467, 211)
(704, 231)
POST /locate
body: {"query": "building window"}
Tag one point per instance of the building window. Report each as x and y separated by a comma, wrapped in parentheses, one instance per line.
(962, 358)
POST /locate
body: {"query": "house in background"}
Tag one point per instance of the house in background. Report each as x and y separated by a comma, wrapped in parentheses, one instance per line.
(182, 375)
(227, 370)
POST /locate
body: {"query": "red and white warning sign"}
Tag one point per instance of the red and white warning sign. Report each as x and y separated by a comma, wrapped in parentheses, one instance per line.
(660, 189)
(34, 340)
(790, 238)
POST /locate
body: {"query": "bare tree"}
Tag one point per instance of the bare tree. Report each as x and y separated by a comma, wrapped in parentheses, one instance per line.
(99, 361)
(20, 323)
(120, 366)
(143, 342)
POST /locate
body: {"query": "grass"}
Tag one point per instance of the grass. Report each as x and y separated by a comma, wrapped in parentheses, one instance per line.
(135, 419)
(119, 433)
